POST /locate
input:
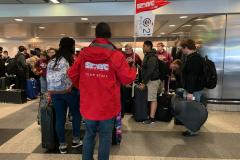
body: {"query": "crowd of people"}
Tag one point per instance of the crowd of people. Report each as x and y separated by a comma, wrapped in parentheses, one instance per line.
(89, 83)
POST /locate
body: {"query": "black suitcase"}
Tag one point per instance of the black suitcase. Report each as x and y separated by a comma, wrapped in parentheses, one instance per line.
(49, 137)
(164, 109)
(3, 83)
(140, 104)
(16, 96)
(163, 113)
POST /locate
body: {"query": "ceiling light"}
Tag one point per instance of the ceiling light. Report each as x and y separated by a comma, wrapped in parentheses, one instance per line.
(201, 25)
(187, 25)
(36, 37)
(182, 17)
(54, 1)
(162, 33)
(84, 19)
(172, 25)
(93, 27)
(41, 27)
(199, 19)
(18, 19)
(62, 34)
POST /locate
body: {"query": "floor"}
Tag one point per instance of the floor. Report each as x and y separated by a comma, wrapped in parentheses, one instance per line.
(20, 138)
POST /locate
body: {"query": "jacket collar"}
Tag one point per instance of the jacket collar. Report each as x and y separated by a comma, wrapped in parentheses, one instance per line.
(101, 41)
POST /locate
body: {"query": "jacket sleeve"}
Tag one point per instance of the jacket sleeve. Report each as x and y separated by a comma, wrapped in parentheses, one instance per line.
(74, 72)
(125, 74)
(151, 63)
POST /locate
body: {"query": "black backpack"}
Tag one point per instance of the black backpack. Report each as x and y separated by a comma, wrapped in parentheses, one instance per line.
(163, 70)
(11, 65)
(210, 73)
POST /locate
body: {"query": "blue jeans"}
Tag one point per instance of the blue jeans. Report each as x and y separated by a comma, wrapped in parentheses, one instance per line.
(198, 94)
(105, 129)
(61, 102)
(43, 83)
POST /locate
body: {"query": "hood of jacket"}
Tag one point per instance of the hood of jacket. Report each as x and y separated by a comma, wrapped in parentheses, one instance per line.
(99, 50)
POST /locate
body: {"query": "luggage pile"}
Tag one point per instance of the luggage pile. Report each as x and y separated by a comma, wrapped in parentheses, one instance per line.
(8, 93)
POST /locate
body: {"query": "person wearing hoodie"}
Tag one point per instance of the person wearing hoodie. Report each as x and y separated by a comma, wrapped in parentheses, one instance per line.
(62, 93)
(98, 72)
(150, 78)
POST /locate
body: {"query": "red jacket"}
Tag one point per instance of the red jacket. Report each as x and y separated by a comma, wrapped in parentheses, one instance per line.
(98, 72)
(167, 58)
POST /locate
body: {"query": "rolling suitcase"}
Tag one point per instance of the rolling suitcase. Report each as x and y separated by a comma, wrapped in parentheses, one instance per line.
(117, 130)
(3, 83)
(49, 137)
(164, 110)
(31, 88)
(140, 112)
(16, 96)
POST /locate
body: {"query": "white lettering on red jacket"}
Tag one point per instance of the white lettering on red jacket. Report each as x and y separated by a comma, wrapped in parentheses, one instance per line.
(100, 67)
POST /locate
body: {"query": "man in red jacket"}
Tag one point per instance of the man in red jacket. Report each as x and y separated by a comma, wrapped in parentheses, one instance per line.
(98, 72)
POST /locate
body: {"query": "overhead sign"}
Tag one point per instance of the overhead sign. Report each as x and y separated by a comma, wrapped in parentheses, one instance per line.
(144, 18)
(144, 23)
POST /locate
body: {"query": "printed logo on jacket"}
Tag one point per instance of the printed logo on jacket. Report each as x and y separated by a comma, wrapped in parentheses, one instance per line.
(98, 69)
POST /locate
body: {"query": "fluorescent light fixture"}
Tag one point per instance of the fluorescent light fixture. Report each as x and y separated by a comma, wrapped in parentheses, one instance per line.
(55, 1)
(93, 27)
(199, 19)
(162, 33)
(187, 25)
(18, 19)
(201, 25)
(172, 25)
(62, 34)
(84, 19)
(41, 27)
(182, 17)
(36, 37)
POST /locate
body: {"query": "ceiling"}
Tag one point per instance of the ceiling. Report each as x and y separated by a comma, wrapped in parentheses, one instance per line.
(66, 1)
(55, 27)
(63, 1)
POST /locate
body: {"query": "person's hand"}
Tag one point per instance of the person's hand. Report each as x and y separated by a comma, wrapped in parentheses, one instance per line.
(189, 96)
(141, 86)
(128, 86)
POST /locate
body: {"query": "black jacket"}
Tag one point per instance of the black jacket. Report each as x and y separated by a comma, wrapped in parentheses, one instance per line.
(193, 76)
(150, 67)
(22, 65)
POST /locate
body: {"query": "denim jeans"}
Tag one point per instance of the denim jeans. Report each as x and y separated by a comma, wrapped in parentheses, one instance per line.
(43, 83)
(61, 102)
(105, 129)
(198, 94)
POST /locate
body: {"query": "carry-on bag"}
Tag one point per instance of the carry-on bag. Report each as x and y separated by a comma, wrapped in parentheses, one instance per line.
(31, 88)
(49, 137)
(192, 114)
(140, 112)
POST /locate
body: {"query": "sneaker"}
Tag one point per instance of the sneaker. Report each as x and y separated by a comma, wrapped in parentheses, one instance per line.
(189, 134)
(63, 148)
(149, 121)
(77, 144)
